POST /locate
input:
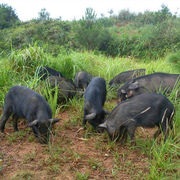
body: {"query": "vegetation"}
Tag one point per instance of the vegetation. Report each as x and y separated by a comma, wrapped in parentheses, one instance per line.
(8, 17)
(44, 15)
(103, 47)
(174, 58)
(161, 159)
(144, 35)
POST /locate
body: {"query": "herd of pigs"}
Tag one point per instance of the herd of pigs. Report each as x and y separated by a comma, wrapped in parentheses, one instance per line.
(139, 103)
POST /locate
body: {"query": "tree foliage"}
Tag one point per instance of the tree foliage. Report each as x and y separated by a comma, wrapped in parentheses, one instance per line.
(142, 35)
(8, 17)
(88, 30)
(44, 15)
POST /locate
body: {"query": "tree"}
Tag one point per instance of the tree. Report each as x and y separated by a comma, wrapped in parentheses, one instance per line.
(90, 14)
(8, 16)
(126, 15)
(110, 12)
(89, 19)
(88, 30)
(162, 14)
(44, 15)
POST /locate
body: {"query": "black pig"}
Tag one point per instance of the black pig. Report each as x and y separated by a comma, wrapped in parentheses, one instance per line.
(145, 110)
(94, 99)
(45, 71)
(82, 79)
(126, 76)
(66, 87)
(149, 83)
(22, 102)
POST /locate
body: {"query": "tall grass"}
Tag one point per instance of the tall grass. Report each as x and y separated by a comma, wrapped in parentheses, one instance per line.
(165, 156)
(174, 58)
(28, 59)
(51, 95)
(20, 69)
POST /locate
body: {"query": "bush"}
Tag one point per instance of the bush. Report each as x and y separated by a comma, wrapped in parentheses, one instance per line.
(54, 33)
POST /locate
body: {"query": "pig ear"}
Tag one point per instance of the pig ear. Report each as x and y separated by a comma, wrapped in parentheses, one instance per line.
(103, 125)
(53, 121)
(33, 123)
(90, 116)
(134, 85)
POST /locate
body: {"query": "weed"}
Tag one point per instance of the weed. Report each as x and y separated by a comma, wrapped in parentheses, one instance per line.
(82, 176)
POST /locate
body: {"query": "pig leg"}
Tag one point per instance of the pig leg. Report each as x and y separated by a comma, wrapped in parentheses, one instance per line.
(84, 120)
(170, 120)
(166, 124)
(157, 133)
(15, 122)
(124, 137)
(171, 124)
(131, 130)
(165, 129)
(35, 131)
(123, 134)
(6, 114)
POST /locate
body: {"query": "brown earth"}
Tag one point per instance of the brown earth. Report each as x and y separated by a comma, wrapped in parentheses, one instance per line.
(74, 153)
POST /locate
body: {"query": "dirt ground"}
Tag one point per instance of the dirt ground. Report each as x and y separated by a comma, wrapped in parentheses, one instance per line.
(73, 153)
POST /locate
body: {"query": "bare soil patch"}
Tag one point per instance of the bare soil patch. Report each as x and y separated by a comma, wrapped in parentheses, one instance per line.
(74, 153)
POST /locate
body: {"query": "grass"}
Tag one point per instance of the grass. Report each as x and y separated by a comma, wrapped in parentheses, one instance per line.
(174, 58)
(162, 158)
(82, 176)
(94, 164)
(52, 96)
(17, 136)
(29, 157)
(23, 175)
